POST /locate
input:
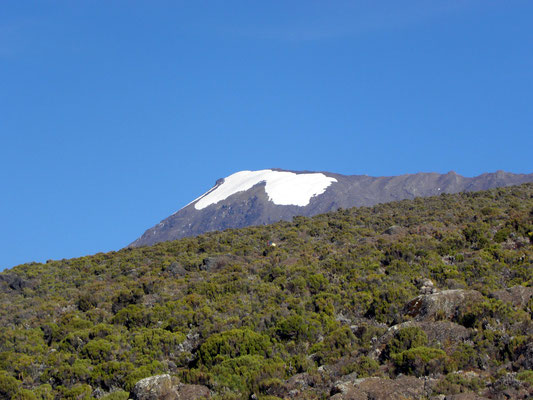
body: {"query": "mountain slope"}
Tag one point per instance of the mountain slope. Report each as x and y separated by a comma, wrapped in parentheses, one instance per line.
(431, 297)
(249, 198)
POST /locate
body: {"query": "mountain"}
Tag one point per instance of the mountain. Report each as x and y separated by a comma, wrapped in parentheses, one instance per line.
(262, 197)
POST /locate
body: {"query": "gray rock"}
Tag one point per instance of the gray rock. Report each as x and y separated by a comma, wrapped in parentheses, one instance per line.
(465, 396)
(164, 387)
(193, 392)
(518, 295)
(403, 387)
(445, 334)
(175, 269)
(441, 305)
(394, 230)
(159, 387)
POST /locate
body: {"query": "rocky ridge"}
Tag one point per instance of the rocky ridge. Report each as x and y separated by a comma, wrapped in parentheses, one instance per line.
(255, 206)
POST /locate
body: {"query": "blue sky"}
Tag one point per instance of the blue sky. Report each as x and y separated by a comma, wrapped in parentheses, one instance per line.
(115, 114)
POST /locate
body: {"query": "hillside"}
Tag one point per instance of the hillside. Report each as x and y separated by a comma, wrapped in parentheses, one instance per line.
(248, 198)
(412, 299)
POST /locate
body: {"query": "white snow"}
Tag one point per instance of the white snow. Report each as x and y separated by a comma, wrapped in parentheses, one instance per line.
(282, 187)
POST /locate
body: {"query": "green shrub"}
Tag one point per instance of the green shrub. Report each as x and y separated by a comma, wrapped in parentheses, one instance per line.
(525, 376)
(421, 361)
(233, 343)
(44, 392)
(112, 374)
(455, 383)
(25, 394)
(362, 366)
(118, 395)
(405, 339)
(337, 344)
(292, 328)
(243, 374)
(77, 392)
(99, 350)
(465, 356)
(9, 386)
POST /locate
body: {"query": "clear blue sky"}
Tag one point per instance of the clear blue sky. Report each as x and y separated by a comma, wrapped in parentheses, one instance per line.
(115, 114)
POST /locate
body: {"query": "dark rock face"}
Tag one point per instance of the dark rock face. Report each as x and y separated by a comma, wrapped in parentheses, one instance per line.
(14, 282)
(253, 207)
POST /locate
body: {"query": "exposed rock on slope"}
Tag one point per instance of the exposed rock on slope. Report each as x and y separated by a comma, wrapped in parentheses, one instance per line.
(402, 388)
(445, 304)
(165, 387)
(262, 197)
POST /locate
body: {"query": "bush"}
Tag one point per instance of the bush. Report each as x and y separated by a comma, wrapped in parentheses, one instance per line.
(455, 383)
(99, 350)
(421, 361)
(466, 356)
(337, 344)
(363, 367)
(231, 344)
(525, 376)
(243, 374)
(9, 386)
(78, 392)
(25, 394)
(118, 395)
(405, 339)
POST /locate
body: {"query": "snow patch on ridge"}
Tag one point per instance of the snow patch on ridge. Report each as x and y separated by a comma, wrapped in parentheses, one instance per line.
(282, 187)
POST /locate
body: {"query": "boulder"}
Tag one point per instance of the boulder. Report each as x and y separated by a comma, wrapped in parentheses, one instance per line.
(403, 387)
(165, 387)
(445, 334)
(216, 263)
(518, 295)
(441, 305)
(426, 286)
(193, 392)
(394, 230)
(158, 387)
(464, 396)
(175, 269)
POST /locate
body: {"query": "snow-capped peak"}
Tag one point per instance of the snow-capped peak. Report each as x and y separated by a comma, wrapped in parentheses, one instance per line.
(282, 187)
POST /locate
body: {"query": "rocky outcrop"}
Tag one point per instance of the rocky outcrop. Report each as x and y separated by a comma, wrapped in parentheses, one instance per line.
(394, 230)
(518, 295)
(13, 282)
(443, 334)
(159, 387)
(525, 356)
(460, 396)
(193, 392)
(447, 304)
(165, 387)
(509, 387)
(175, 270)
(401, 388)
